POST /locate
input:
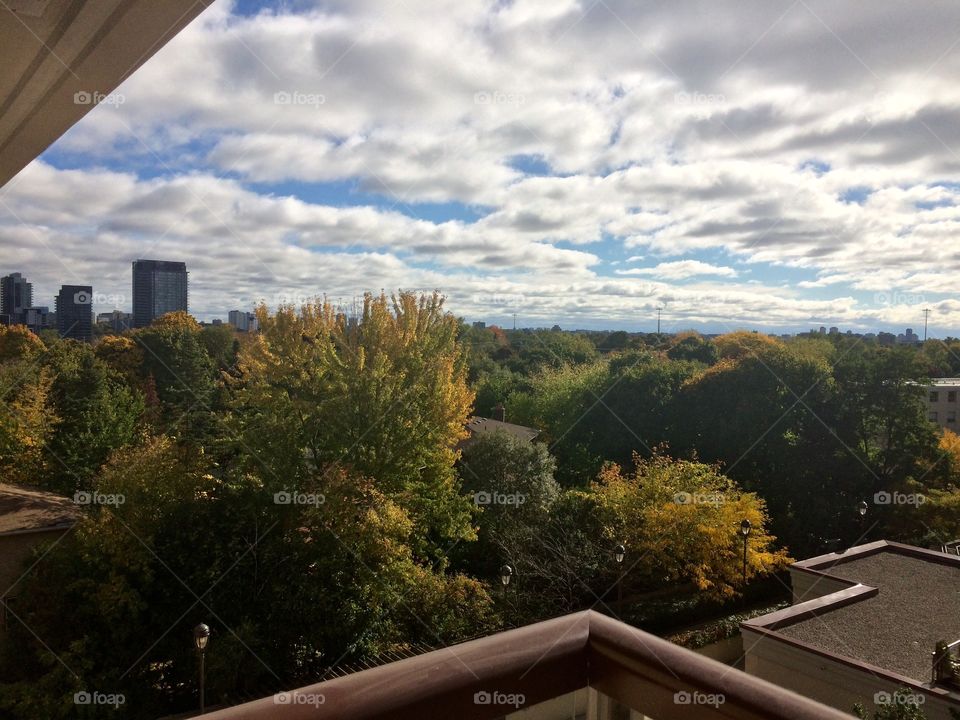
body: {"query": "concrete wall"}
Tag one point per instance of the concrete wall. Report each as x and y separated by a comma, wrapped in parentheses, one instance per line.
(828, 681)
(808, 586)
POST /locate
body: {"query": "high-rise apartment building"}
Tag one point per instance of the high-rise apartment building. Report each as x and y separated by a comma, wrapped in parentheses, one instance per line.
(242, 320)
(16, 295)
(159, 287)
(75, 312)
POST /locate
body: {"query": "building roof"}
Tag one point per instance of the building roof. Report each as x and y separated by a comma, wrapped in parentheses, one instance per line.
(23, 509)
(899, 601)
(477, 425)
(945, 381)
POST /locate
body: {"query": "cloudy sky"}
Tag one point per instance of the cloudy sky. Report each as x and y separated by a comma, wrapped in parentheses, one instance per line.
(764, 163)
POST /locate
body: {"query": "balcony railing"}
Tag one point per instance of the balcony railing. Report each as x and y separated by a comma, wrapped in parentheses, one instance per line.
(537, 663)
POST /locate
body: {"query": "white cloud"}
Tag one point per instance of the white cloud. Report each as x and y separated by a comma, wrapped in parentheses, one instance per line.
(681, 270)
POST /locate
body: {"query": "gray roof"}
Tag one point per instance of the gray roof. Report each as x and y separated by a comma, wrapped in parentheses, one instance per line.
(29, 509)
(918, 603)
(479, 425)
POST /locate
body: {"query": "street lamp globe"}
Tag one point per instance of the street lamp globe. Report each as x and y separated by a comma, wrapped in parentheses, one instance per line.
(745, 527)
(862, 508)
(201, 635)
(619, 552)
(506, 572)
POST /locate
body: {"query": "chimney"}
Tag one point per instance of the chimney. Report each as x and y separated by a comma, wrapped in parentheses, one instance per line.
(500, 413)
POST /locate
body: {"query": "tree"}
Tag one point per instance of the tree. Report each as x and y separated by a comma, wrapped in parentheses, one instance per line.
(386, 397)
(18, 343)
(97, 414)
(187, 540)
(27, 422)
(511, 482)
(693, 346)
(681, 521)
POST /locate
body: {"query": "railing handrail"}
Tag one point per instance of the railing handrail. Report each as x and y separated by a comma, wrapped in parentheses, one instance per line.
(540, 662)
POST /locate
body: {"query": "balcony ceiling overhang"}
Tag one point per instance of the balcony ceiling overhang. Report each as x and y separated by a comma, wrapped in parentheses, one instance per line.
(54, 54)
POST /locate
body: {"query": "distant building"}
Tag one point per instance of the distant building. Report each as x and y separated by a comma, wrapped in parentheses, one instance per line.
(242, 320)
(74, 312)
(38, 318)
(159, 287)
(16, 295)
(908, 338)
(823, 330)
(834, 330)
(479, 325)
(116, 319)
(942, 402)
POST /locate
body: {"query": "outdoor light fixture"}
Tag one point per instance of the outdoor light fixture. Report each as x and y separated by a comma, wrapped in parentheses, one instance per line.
(201, 636)
(506, 572)
(619, 552)
(862, 508)
(745, 532)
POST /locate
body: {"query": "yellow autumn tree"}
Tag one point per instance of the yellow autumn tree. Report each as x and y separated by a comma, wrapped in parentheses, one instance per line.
(27, 422)
(123, 355)
(681, 521)
(741, 343)
(384, 393)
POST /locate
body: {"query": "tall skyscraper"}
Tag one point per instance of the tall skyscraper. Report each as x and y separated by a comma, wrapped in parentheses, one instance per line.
(242, 320)
(75, 312)
(159, 287)
(16, 295)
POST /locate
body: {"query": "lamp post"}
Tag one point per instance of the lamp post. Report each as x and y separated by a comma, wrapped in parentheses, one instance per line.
(619, 553)
(862, 511)
(506, 573)
(745, 532)
(201, 636)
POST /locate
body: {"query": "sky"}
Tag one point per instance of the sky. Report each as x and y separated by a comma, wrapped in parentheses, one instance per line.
(760, 164)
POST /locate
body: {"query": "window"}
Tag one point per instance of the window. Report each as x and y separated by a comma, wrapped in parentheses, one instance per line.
(951, 416)
(934, 396)
(952, 396)
(933, 417)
